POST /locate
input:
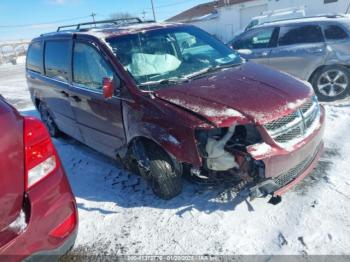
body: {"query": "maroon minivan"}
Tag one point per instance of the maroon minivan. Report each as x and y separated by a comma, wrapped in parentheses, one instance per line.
(168, 100)
(38, 213)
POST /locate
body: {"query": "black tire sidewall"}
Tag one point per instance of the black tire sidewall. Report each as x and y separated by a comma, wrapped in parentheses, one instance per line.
(165, 176)
(317, 75)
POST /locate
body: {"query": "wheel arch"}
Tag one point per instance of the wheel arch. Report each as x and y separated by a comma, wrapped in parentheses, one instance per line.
(310, 79)
(148, 139)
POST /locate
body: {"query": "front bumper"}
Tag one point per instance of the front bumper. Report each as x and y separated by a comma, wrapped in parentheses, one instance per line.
(284, 169)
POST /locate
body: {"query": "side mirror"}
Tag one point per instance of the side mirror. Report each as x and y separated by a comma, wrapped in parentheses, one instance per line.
(108, 87)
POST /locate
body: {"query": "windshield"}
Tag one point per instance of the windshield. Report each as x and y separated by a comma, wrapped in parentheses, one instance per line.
(170, 55)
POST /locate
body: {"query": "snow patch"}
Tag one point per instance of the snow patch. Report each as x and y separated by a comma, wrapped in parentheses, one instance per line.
(210, 112)
(21, 59)
(296, 104)
(260, 149)
(19, 224)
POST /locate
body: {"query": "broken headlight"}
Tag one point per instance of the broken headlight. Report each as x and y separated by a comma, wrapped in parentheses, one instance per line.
(218, 146)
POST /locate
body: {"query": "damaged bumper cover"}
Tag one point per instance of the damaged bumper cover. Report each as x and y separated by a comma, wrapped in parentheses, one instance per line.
(293, 177)
(284, 169)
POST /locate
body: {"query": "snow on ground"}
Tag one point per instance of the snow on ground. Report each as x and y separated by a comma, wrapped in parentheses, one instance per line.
(120, 215)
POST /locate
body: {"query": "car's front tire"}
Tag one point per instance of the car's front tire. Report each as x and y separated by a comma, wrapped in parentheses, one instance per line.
(163, 173)
(331, 83)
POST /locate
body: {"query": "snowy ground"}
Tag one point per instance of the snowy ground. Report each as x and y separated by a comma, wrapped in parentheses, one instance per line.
(120, 215)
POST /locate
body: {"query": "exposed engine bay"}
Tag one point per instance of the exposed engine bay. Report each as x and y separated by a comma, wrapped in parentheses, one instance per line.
(225, 157)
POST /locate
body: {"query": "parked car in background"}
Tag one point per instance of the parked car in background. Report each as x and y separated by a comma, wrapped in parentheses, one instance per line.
(38, 214)
(315, 49)
(169, 99)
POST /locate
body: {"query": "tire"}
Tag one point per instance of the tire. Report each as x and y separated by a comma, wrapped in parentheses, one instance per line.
(164, 174)
(331, 83)
(48, 120)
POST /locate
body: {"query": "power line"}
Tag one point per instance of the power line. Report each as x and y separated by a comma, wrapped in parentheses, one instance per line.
(44, 23)
(164, 6)
(93, 15)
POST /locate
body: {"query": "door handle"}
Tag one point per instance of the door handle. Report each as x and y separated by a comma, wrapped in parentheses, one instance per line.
(64, 93)
(76, 98)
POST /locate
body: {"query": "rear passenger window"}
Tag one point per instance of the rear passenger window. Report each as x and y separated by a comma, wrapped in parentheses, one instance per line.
(57, 59)
(300, 35)
(34, 58)
(334, 32)
(89, 67)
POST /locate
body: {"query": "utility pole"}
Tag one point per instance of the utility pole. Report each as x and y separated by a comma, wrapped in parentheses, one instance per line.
(154, 12)
(144, 14)
(347, 9)
(93, 16)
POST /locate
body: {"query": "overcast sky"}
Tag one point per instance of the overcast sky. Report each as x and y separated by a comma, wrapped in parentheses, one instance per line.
(25, 19)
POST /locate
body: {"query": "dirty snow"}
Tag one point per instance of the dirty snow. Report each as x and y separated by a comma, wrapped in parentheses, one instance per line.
(119, 214)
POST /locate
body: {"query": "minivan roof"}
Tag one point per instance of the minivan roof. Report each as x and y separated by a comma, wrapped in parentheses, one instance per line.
(111, 31)
(312, 19)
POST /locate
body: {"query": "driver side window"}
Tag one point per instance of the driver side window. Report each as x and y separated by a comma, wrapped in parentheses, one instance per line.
(89, 67)
(255, 39)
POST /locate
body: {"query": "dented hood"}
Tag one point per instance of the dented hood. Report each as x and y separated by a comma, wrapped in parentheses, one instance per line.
(251, 91)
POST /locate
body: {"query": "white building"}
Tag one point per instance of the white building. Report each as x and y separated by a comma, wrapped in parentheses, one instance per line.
(224, 18)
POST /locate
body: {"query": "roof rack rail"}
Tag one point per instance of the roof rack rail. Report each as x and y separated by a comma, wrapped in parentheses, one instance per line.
(305, 17)
(121, 21)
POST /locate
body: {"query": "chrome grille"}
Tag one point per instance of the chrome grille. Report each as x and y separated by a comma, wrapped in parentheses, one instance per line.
(305, 107)
(289, 135)
(296, 125)
(273, 125)
(294, 172)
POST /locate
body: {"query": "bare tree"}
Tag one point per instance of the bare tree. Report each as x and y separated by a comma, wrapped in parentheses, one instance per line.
(120, 15)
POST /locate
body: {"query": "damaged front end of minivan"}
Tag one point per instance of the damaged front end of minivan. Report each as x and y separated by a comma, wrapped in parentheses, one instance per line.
(241, 153)
(225, 157)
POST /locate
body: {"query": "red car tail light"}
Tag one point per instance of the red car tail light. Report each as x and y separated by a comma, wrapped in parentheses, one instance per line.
(65, 228)
(40, 154)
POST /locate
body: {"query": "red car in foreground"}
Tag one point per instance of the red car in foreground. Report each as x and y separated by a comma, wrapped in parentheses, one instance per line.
(38, 213)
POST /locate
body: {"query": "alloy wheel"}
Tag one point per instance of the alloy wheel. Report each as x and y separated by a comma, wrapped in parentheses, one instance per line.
(332, 83)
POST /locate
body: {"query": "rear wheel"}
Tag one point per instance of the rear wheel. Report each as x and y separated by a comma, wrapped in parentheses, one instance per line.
(163, 173)
(331, 83)
(48, 120)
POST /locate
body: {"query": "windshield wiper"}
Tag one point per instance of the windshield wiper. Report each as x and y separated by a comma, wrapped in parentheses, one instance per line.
(209, 70)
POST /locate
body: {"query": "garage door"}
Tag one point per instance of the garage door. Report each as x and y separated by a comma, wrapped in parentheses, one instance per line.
(246, 14)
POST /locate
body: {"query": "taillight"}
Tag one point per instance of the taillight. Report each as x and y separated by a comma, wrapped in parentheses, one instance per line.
(40, 154)
(66, 227)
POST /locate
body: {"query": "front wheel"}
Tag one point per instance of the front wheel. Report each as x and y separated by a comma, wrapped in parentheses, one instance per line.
(162, 172)
(331, 83)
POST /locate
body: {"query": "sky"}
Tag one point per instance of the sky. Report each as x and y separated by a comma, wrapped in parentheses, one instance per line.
(25, 19)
